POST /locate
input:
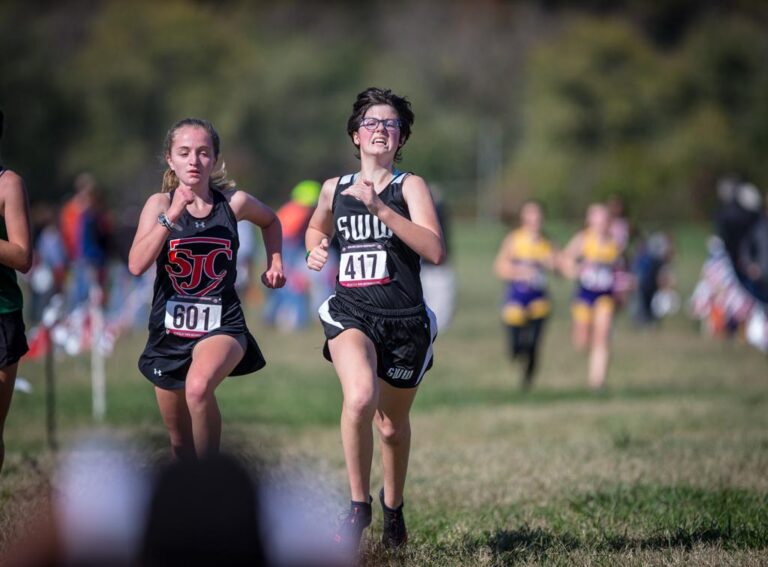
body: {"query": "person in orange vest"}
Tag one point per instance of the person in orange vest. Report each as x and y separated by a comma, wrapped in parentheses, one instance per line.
(288, 308)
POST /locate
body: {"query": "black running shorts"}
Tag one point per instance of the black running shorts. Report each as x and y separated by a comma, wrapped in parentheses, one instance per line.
(166, 364)
(403, 337)
(13, 342)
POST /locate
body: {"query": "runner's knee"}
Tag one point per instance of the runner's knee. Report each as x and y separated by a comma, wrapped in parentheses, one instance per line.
(198, 392)
(392, 433)
(360, 404)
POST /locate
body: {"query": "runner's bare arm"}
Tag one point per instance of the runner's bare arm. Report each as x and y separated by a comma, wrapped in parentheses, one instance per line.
(567, 260)
(16, 252)
(320, 228)
(150, 235)
(503, 267)
(249, 208)
(422, 232)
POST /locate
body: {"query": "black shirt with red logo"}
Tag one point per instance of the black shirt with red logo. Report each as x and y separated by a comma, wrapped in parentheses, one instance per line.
(194, 293)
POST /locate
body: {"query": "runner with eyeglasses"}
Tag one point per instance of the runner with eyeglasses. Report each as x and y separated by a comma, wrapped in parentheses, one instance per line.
(378, 330)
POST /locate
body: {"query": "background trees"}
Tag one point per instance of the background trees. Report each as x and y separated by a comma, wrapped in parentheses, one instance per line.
(512, 99)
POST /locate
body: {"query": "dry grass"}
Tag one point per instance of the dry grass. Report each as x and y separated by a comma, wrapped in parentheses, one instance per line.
(666, 468)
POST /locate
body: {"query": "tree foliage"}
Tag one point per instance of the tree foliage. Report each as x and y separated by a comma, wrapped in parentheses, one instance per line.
(652, 103)
(608, 112)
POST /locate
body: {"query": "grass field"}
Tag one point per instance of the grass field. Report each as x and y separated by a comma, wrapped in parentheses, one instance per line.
(669, 466)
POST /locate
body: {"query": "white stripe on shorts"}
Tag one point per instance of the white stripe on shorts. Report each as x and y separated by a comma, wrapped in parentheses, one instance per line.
(432, 335)
(325, 314)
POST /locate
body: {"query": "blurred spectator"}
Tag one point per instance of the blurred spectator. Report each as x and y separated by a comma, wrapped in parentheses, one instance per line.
(731, 296)
(99, 502)
(246, 256)
(719, 300)
(87, 231)
(129, 297)
(439, 281)
(215, 512)
(289, 308)
(651, 269)
(753, 257)
(49, 267)
(739, 209)
(106, 510)
(620, 229)
(203, 512)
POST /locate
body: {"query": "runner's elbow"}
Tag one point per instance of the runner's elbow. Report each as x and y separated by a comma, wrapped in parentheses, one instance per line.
(437, 256)
(26, 265)
(136, 267)
(20, 260)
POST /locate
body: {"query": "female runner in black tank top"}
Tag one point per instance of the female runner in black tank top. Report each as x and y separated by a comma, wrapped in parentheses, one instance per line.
(393, 218)
(197, 331)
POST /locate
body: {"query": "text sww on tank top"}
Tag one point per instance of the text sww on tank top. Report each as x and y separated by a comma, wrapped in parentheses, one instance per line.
(193, 273)
(363, 264)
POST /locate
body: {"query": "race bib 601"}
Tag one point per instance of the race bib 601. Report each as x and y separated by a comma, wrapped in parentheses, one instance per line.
(192, 317)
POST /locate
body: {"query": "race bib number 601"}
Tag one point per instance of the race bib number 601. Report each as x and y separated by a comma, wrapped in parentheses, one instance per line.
(363, 265)
(192, 317)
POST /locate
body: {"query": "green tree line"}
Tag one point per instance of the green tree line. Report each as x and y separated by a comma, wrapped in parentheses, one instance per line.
(611, 97)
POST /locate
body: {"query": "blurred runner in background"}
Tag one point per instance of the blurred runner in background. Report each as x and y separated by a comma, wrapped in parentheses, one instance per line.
(523, 260)
(591, 258)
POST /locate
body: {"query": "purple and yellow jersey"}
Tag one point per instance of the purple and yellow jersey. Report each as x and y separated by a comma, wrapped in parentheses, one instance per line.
(597, 275)
(527, 299)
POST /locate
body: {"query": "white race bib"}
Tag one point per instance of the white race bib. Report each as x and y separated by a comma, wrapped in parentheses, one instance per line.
(597, 277)
(538, 281)
(192, 317)
(362, 265)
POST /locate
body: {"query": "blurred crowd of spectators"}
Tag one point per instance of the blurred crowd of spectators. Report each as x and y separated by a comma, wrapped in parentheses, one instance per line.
(731, 297)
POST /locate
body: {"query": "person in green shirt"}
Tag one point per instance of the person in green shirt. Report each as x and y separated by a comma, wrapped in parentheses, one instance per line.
(15, 254)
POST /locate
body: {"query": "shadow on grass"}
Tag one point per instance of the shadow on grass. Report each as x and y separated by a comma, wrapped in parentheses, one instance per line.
(528, 543)
(638, 517)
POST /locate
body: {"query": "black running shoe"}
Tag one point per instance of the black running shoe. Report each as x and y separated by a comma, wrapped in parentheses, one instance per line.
(352, 524)
(394, 533)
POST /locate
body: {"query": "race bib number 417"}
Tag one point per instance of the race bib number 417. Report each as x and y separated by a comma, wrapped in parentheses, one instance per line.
(363, 265)
(192, 317)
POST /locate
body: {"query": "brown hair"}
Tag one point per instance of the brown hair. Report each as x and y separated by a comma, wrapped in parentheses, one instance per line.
(218, 179)
(373, 96)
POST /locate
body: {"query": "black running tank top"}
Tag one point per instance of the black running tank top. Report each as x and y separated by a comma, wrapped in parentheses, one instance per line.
(10, 293)
(376, 268)
(194, 291)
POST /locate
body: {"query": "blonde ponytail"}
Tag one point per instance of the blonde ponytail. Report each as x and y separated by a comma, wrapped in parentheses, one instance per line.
(218, 180)
(170, 181)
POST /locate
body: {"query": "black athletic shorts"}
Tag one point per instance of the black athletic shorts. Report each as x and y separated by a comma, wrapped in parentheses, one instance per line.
(166, 364)
(403, 337)
(13, 342)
